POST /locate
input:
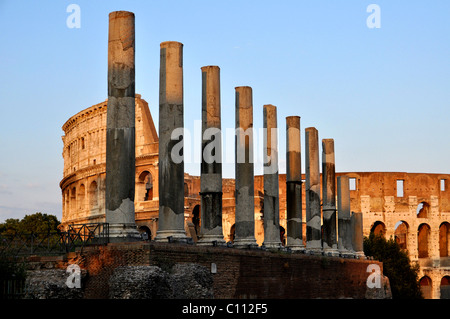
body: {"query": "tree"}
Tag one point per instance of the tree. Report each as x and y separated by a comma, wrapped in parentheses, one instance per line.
(35, 223)
(403, 276)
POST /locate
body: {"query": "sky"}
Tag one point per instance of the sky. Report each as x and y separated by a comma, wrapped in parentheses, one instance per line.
(376, 81)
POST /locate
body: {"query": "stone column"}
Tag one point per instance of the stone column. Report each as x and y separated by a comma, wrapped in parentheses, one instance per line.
(294, 185)
(271, 187)
(329, 237)
(344, 224)
(312, 192)
(244, 179)
(120, 129)
(358, 238)
(171, 160)
(211, 167)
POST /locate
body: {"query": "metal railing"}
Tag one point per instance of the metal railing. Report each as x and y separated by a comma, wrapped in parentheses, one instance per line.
(56, 242)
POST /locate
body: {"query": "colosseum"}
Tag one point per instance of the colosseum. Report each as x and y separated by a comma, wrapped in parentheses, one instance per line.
(413, 208)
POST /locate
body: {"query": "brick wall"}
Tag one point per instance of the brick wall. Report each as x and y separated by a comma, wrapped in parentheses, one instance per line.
(240, 273)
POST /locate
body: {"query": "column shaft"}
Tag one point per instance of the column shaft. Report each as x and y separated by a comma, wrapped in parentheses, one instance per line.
(344, 225)
(358, 238)
(211, 165)
(271, 183)
(294, 184)
(120, 128)
(312, 192)
(244, 181)
(171, 159)
(329, 237)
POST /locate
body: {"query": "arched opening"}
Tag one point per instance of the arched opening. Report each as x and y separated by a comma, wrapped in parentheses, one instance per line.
(81, 197)
(232, 233)
(378, 228)
(145, 232)
(73, 203)
(444, 236)
(145, 185)
(423, 236)
(67, 205)
(283, 236)
(425, 287)
(422, 210)
(445, 287)
(401, 234)
(93, 195)
(196, 219)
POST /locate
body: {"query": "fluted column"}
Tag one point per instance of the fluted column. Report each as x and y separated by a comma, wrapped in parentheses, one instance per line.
(294, 184)
(312, 192)
(120, 128)
(271, 183)
(244, 179)
(329, 237)
(171, 159)
(211, 166)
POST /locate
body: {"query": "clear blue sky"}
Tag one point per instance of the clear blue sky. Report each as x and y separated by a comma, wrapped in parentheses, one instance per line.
(383, 94)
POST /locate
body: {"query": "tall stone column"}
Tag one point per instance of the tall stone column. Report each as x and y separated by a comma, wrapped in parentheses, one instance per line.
(344, 222)
(171, 160)
(120, 128)
(244, 181)
(211, 166)
(312, 192)
(358, 238)
(271, 184)
(294, 185)
(329, 237)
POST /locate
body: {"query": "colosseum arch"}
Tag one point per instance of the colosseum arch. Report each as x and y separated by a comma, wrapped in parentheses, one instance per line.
(401, 234)
(232, 233)
(145, 232)
(93, 195)
(426, 287)
(444, 238)
(445, 287)
(73, 203)
(196, 219)
(423, 210)
(81, 198)
(423, 238)
(144, 191)
(378, 228)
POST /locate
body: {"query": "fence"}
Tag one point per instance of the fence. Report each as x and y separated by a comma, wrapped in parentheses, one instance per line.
(78, 235)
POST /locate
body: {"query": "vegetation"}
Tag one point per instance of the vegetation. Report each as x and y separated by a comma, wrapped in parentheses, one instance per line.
(35, 223)
(403, 276)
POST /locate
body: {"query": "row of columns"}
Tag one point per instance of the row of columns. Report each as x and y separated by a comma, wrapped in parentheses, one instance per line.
(120, 162)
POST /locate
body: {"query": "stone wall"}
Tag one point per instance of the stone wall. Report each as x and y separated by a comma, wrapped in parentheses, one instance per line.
(189, 271)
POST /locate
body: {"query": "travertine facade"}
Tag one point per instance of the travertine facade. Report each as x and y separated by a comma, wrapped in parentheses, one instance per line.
(420, 201)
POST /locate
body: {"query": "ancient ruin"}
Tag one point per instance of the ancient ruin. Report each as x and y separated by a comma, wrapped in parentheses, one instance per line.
(120, 128)
(320, 213)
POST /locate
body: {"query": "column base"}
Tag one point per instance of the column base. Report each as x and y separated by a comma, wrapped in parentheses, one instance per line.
(360, 255)
(331, 252)
(172, 236)
(211, 240)
(272, 245)
(245, 243)
(123, 233)
(346, 254)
